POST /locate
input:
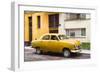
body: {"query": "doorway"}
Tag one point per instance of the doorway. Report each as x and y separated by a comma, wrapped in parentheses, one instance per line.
(30, 29)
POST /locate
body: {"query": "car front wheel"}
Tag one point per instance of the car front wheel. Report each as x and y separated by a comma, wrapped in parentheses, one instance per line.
(66, 53)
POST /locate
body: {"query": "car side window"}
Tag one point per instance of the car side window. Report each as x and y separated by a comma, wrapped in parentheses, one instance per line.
(53, 37)
(46, 37)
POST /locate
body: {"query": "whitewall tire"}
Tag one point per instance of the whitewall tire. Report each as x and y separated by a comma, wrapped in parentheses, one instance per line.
(66, 53)
(38, 51)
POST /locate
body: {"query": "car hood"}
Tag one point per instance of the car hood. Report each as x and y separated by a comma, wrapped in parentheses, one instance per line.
(72, 41)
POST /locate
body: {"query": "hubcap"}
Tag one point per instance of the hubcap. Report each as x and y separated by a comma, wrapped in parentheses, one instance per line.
(66, 53)
(38, 51)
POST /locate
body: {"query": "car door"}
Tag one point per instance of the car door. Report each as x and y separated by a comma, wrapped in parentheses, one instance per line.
(54, 44)
(44, 42)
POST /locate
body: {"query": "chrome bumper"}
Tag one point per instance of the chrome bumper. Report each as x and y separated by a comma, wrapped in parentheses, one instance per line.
(76, 51)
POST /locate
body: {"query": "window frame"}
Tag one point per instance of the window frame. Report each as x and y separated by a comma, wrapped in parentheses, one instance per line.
(17, 43)
(83, 31)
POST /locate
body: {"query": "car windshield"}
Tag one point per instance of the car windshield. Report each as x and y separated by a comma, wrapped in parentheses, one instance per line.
(62, 37)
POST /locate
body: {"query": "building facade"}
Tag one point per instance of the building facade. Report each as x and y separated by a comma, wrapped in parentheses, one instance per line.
(38, 23)
(74, 25)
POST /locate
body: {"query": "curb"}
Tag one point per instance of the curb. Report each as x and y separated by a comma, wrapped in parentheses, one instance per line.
(85, 51)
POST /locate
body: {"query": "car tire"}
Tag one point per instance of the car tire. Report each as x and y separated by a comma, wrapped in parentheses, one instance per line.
(66, 53)
(38, 51)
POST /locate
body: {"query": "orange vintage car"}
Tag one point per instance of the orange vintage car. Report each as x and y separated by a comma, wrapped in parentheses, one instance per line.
(58, 43)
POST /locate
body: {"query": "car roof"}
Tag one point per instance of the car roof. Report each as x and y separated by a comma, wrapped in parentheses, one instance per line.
(53, 34)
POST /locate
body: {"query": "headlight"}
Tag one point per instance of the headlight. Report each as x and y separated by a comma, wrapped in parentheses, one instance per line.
(77, 47)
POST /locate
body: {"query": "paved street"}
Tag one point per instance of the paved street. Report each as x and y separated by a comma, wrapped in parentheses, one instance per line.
(30, 55)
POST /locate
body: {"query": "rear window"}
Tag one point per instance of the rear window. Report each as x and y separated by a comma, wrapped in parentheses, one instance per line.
(46, 37)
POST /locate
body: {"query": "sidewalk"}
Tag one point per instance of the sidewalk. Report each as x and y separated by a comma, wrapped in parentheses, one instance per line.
(28, 47)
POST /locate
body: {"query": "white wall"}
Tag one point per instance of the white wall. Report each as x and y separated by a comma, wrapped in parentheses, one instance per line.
(80, 24)
(77, 24)
(62, 17)
(74, 24)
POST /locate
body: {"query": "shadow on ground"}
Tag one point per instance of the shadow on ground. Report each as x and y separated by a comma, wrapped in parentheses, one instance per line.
(73, 55)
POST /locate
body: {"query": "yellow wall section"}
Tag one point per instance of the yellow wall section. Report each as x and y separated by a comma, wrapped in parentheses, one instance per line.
(26, 27)
(36, 32)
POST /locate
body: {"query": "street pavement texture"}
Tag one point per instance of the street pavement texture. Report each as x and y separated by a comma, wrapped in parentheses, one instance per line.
(30, 55)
